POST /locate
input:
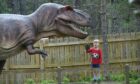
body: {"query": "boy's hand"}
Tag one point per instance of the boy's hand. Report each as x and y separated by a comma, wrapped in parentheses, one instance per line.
(87, 46)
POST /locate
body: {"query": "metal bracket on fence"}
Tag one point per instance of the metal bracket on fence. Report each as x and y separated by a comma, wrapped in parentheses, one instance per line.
(42, 62)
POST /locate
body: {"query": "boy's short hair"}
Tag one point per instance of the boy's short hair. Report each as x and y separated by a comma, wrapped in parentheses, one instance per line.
(96, 40)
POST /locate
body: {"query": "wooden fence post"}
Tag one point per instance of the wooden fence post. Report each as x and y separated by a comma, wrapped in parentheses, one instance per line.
(59, 75)
(8, 72)
(42, 60)
(127, 74)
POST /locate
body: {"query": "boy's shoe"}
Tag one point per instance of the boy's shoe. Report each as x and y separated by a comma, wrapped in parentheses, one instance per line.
(99, 81)
(94, 81)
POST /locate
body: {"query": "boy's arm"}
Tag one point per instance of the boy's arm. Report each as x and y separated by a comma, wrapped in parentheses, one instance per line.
(87, 46)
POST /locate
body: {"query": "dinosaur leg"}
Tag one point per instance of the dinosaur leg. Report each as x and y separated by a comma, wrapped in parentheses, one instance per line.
(2, 62)
(31, 50)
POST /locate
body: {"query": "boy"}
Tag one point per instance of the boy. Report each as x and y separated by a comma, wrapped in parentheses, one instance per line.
(96, 59)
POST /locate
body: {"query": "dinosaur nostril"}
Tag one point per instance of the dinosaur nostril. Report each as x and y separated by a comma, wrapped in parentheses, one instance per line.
(90, 21)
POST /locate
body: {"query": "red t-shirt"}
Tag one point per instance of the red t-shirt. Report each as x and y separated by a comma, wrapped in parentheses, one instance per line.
(96, 55)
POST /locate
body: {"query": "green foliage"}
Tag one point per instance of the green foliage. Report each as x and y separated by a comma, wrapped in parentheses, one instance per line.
(134, 77)
(102, 78)
(117, 77)
(4, 7)
(66, 80)
(134, 81)
(47, 82)
(86, 79)
(29, 81)
(121, 13)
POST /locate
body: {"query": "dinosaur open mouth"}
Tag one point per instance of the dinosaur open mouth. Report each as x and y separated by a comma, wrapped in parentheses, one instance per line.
(134, 1)
(136, 12)
(136, 6)
(79, 28)
(75, 27)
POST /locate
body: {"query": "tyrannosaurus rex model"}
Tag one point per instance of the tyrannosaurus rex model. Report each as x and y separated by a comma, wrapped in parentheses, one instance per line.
(20, 32)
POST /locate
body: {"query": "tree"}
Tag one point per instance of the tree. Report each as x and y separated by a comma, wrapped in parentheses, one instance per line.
(104, 36)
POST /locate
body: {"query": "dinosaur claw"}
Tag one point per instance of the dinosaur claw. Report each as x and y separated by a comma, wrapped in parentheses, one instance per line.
(44, 54)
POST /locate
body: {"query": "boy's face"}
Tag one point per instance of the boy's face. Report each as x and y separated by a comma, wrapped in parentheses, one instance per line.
(96, 44)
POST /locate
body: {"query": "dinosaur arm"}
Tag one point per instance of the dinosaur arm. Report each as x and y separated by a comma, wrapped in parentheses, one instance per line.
(31, 50)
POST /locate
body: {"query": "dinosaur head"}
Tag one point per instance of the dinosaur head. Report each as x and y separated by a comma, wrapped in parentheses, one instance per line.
(69, 22)
(56, 20)
(136, 2)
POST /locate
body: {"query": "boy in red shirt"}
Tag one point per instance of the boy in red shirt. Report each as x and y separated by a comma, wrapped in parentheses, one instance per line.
(96, 59)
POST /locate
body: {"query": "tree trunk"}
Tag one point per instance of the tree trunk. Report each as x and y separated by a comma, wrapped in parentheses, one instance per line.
(35, 4)
(76, 3)
(16, 6)
(104, 36)
(22, 4)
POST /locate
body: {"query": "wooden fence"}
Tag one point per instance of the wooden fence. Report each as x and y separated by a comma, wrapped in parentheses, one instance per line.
(69, 53)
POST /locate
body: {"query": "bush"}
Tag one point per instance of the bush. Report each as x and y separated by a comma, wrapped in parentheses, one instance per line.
(66, 80)
(117, 77)
(134, 77)
(47, 82)
(86, 79)
(29, 81)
